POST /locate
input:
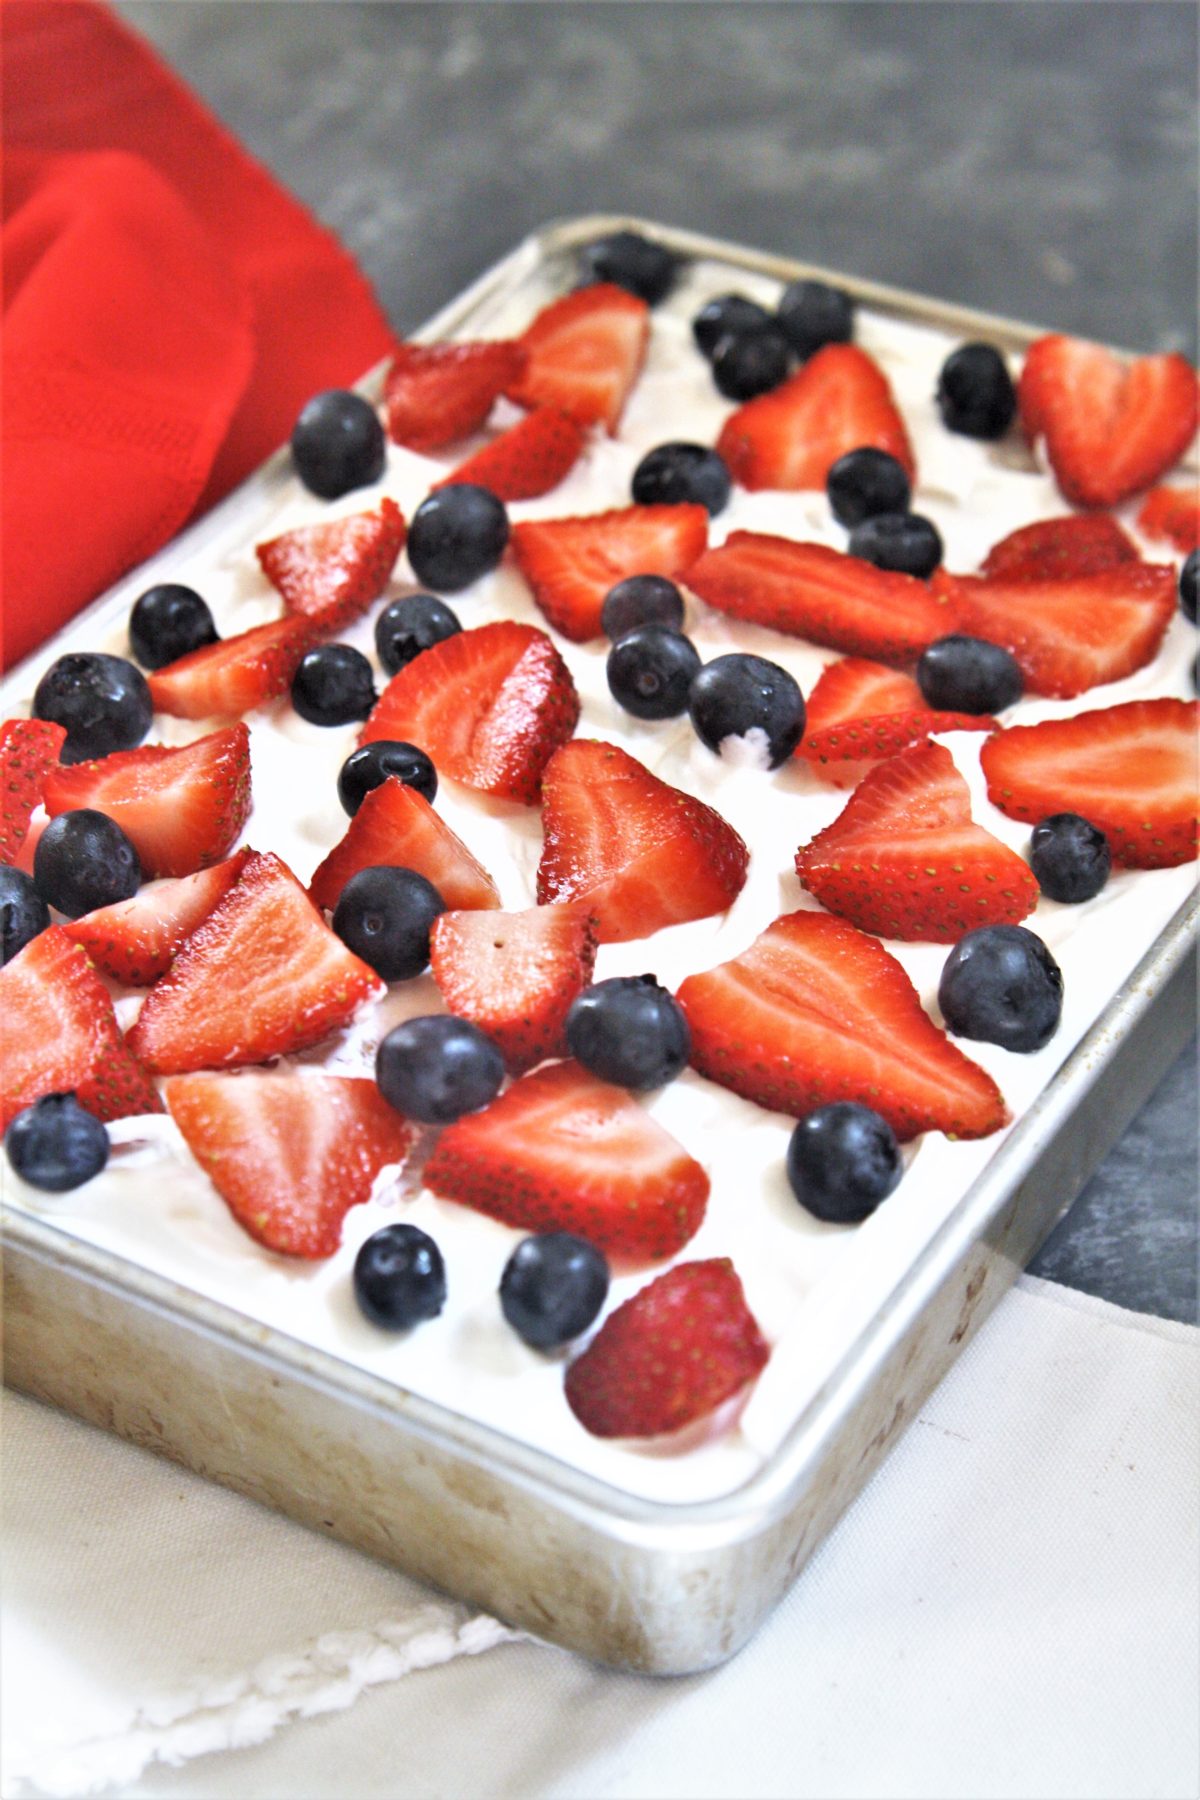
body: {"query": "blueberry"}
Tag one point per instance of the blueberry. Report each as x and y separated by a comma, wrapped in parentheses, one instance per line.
(1001, 985)
(23, 912)
(370, 765)
(438, 1067)
(103, 702)
(725, 315)
(865, 482)
(632, 262)
(641, 600)
(408, 626)
(338, 444)
(673, 474)
(333, 684)
(457, 534)
(811, 313)
(84, 860)
(735, 694)
(552, 1287)
(1070, 858)
(630, 1031)
(969, 675)
(399, 1277)
(842, 1160)
(975, 394)
(1187, 586)
(55, 1145)
(384, 915)
(747, 363)
(168, 622)
(903, 541)
(650, 671)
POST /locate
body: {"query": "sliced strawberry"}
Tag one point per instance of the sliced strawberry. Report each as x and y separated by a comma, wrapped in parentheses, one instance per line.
(515, 975)
(135, 940)
(333, 571)
(904, 858)
(571, 563)
(585, 352)
(226, 679)
(528, 459)
(672, 1354)
(261, 976)
(23, 859)
(1059, 549)
(60, 1034)
(438, 393)
(813, 592)
(182, 809)
(1070, 635)
(1131, 769)
(489, 705)
(1110, 428)
(1174, 514)
(860, 712)
(28, 751)
(289, 1154)
(395, 826)
(561, 1151)
(789, 438)
(814, 1012)
(639, 853)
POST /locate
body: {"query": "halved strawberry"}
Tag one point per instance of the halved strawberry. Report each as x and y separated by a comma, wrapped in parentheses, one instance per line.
(640, 854)
(489, 705)
(333, 571)
(905, 859)
(838, 401)
(1174, 514)
(28, 751)
(289, 1154)
(1110, 428)
(528, 459)
(515, 975)
(561, 1151)
(225, 680)
(585, 351)
(814, 1012)
(571, 563)
(813, 592)
(1132, 770)
(261, 976)
(672, 1354)
(60, 1034)
(182, 808)
(860, 712)
(1069, 635)
(395, 826)
(438, 393)
(1058, 549)
(135, 940)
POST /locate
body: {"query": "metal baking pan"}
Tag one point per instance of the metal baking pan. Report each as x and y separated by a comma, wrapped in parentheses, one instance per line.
(644, 1585)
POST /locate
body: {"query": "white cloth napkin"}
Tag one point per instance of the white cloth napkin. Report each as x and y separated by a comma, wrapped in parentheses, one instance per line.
(1011, 1608)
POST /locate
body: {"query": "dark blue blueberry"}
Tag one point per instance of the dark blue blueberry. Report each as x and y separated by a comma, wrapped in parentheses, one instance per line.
(632, 262)
(457, 534)
(904, 541)
(1001, 985)
(842, 1160)
(552, 1288)
(1070, 858)
(438, 1067)
(630, 1031)
(969, 675)
(23, 912)
(725, 315)
(747, 363)
(384, 915)
(674, 474)
(408, 626)
(167, 622)
(102, 701)
(735, 694)
(333, 684)
(399, 1277)
(975, 393)
(370, 766)
(84, 860)
(865, 482)
(1187, 586)
(338, 444)
(650, 671)
(641, 600)
(811, 313)
(55, 1145)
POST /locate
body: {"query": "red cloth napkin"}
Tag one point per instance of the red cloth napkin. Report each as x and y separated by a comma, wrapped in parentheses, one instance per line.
(168, 308)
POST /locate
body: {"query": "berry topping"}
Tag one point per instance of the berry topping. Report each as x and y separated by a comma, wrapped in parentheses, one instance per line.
(811, 314)
(400, 1278)
(650, 670)
(1069, 857)
(904, 541)
(1058, 549)
(552, 1288)
(84, 860)
(227, 679)
(528, 459)
(167, 622)
(55, 1145)
(630, 1031)
(338, 444)
(23, 912)
(28, 752)
(842, 1160)
(1000, 985)
(457, 534)
(791, 437)
(1187, 587)
(408, 626)
(384, 914)
(369, 767)
(967, 674)
(585, 351)
(633, 262)
(676, 474)
(437, 1068)
(739, 696)
(102, 702)
(865, 482)
(395, 825)
(571, 564)
(641, 600)
(332, 572)
(975, 392)
(136, 940)
(515, 975)
(438, 393)
(860, 712)
(748, 363)
(1174, 514)
(333, 685)
(725, 316)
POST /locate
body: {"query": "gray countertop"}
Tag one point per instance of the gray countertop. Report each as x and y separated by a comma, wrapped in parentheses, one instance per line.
(1029, 159)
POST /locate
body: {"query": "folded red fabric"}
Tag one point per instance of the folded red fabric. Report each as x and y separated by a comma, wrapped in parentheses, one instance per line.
(168, 308)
